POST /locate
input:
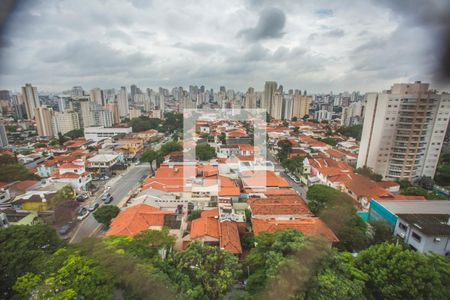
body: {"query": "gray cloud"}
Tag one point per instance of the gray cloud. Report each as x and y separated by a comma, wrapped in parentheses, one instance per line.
(328, 45)
(270, 25)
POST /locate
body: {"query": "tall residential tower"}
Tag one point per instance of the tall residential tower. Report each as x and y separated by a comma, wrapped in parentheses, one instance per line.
(403, 131)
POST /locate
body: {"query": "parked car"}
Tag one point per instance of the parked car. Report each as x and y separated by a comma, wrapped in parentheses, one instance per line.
(82, 214)
(65, 229)
(82, 197)
(93, 206)
(108, 200)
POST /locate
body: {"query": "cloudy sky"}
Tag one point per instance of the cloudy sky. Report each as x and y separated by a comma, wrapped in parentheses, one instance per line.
(314, 45)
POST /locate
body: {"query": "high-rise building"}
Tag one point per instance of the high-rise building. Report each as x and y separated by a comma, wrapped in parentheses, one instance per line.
(133, 91)
(287, 107)
(3, 136)
(250, 98)
(276, 110)
(66, 121)
(122, 102)
(82, 106)
(300, 106)
(114, 109)
(403, 131)
(97, 96)
(135, 113)
(270, 88)
(30, 100)
(353, 114)
(44, 121)
(100, 116)
(77, 91)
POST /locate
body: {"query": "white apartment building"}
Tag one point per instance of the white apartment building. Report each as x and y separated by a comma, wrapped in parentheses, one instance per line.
(65, 121)
(99, 133)
(403, 131)
(122, 102)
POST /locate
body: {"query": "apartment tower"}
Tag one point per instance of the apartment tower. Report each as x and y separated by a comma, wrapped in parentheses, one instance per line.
(403, 131)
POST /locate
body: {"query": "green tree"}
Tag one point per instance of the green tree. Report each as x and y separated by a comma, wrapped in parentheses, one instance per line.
(354, 131)
(366, 171)
(195, 214)
(74, 134)
(150, 156)
(7, 160)
(284, 150)
(337, 279)
(54, 142)
(11, 173)
(337, 211)
(144, 123)
(397, 273)
(104, 214)
(170, 147)
(74, 276)
(294, 164)
(203, 272)
(282, 263)
(329, 141)
(19, 246)
(223, 138)
(204, 152)
(381, 232)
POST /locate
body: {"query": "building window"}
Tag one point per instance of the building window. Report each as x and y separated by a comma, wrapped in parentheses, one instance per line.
(402, 226)
(416, 237)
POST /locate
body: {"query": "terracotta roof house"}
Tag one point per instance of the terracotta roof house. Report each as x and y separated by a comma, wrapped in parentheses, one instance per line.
(262, 180)
(137, 218)
(310, 226)
(210, 229)
(279, 207)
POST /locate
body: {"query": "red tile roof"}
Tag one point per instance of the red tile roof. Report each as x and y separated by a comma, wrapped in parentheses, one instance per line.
(25, 184)
(229, 237)
(279, 205)
(228, 187)
(262, 178)
(205, 226)
(310, 226)
(137, 218)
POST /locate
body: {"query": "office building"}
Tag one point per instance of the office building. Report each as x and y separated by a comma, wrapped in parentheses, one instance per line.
(403, 131)
(65, 121)
(300, 106)
(99, 133)
(97, 96)
(44, 121)
(322, 115)
(30, 99)
(122, 102)
(3, 136)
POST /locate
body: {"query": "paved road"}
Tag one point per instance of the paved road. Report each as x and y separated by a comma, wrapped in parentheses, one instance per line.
(121, 186)
(278, 168)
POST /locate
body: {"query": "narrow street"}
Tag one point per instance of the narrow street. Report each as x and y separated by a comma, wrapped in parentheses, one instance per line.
(121, 186)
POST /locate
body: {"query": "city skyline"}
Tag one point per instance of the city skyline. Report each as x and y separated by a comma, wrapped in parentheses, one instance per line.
(240, 44)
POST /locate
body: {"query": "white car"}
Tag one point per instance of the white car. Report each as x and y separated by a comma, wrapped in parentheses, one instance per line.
(83, 214)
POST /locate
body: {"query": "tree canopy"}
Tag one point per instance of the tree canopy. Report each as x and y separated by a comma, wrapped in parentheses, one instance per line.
(19, 247)
(353, 131)
(105, 213)
(144, 123)
(204, 152)
(76, 133)
(203, 272)
(397, 273)
(11, 170)
(366, 171)
(336, 210)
